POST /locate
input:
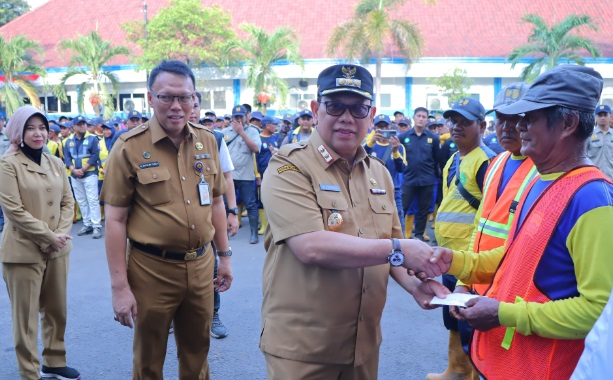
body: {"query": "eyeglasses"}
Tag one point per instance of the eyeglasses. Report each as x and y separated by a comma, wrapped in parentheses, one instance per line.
(168, 99)
(359, 111)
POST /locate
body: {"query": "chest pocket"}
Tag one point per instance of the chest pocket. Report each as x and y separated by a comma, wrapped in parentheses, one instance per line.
(330, 202)
(156, 185)
(382, 213)
(596, 143)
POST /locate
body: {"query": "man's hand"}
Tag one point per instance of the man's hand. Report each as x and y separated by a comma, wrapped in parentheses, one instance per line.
(124, 306)
(417, 258)
(481, 313)
(454, 310)
(424, 292)
(238, 128)
(395, 144)
(232, 224)
(224, 278)
(441, 258)
(377, 136)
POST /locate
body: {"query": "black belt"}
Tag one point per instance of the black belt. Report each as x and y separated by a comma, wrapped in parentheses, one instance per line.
(182, 256)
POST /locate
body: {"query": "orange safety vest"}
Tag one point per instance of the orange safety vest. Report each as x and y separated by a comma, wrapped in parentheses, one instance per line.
(497, 213)
(500, 354)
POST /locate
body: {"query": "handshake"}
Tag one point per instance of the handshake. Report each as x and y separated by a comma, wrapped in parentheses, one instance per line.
(424, 261)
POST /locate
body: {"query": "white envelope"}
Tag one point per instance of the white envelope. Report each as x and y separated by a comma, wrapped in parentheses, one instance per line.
(454, 299)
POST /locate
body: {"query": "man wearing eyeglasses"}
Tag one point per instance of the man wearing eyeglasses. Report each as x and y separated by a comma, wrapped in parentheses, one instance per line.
(333, 239)
(163, 193)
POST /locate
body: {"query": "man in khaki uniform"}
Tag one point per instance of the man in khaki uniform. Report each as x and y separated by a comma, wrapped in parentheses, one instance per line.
(332, 215)
(163, 191)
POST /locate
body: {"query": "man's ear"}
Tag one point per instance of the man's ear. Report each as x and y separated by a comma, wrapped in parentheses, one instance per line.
(314, 110)
(570, 124)
(482, 126)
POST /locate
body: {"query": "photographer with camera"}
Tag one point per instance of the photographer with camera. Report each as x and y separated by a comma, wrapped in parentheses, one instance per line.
(384, 145)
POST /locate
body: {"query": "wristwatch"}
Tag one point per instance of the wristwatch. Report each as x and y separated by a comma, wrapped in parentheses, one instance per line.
(227, 253)
(396, 257)
(233, 210)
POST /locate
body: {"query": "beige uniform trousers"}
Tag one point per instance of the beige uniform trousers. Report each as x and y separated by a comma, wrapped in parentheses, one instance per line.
(33, 289)
(165, 291)
(282, 369)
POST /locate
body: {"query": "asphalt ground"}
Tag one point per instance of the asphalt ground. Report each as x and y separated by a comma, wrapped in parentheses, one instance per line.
(414, 340)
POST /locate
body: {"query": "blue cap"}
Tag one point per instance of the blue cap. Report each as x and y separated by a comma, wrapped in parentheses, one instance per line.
(145, 117)
(602, 108)
(2, 117)
(288, 117)
(509, 95)
(239, 110)
(345, 78)
(571, 86)
(206, 118)
(55, 128)
(470, 108)
(257, 115)
(106, 123)
(78, 119)
(304, 113)
(226, 116)
(97, 120)
(382, 119)
(210, 112)
(63, 125)
(133, 114)
(270, 120)
(406, 122)
(435, 122)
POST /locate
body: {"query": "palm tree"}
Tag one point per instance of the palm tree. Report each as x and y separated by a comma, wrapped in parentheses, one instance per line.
(89, 55)
(261, 51)
(16, 59)
(554, 45)
(368, 33)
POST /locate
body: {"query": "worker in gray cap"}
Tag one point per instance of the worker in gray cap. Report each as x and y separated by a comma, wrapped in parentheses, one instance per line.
(553, 276)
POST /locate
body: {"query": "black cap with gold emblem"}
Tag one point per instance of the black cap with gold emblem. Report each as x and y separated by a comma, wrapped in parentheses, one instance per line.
(345, 78)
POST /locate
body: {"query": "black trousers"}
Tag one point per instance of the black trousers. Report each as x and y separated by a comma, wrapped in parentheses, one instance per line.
(424, 200)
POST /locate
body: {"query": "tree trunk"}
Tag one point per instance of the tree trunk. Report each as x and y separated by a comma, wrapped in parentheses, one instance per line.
(378, 81)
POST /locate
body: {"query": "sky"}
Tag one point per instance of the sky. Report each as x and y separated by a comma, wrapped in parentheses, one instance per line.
(36, 3)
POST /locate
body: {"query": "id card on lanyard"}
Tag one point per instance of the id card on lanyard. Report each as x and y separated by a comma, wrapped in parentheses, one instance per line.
(203, 186)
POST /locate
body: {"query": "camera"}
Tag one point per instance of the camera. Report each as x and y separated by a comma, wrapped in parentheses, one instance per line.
(388, 133)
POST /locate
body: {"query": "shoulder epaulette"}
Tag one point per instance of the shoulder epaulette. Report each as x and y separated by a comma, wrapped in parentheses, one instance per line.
(377, 159)
(134, 132)
(287, 149)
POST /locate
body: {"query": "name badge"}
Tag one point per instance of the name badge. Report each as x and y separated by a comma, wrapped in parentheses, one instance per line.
(329, 187)
(146, 165)
(204, 193)
(378, 191)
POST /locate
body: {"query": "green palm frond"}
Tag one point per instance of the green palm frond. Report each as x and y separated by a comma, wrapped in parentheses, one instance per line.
(553, 45)
(18, 56)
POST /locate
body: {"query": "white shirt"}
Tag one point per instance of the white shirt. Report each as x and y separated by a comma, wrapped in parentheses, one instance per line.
(224, 158)
(596, 362)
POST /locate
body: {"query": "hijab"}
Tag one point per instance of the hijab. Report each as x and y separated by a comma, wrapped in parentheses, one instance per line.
(15, 130)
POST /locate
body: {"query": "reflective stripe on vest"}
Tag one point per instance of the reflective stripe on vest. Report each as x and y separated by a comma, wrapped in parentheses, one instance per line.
(455, 217)
(501, 353)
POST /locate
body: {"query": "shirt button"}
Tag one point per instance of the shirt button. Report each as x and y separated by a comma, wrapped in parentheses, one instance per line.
(361, 317)
(44, 176)
(189, 202)
(50, 204)
(334, 203)
(361, 232)
(52, 217)
(48, 190)
(364, 289)
(355, 204)
(384, 207)
(154, 176)
(208, 169)
(193, 227)
(183, 178)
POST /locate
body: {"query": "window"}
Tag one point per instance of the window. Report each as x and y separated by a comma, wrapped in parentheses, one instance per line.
(66, 107)
(213, 100)
(52, 104)
(386, 100)
(137, 99)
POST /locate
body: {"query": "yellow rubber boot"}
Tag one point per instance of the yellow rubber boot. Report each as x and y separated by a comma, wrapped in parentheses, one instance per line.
(102, 212)
(459, 367)
(408, 226)
(263, 221)
(240, 215)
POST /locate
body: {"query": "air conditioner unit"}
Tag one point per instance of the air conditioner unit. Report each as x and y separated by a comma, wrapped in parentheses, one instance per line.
(137, 104)
(304, 104)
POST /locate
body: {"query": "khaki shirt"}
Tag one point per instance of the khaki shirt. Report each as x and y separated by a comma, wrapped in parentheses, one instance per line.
(242, 156)
(146, 172)
(599, 148)
(37, 203)
(310, 313)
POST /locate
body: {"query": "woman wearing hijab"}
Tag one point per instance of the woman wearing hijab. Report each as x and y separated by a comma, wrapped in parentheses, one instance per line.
(38, 206)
